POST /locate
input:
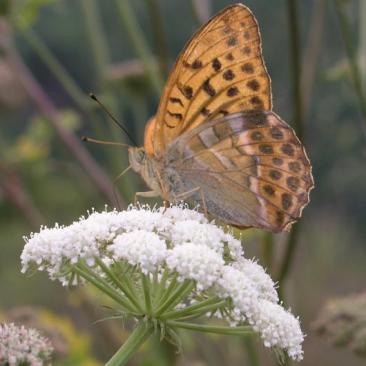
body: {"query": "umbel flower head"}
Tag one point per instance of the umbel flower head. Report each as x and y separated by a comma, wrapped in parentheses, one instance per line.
(22, 346)
(165, 266)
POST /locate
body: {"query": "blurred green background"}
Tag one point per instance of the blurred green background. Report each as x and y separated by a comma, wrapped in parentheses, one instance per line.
(54, 52)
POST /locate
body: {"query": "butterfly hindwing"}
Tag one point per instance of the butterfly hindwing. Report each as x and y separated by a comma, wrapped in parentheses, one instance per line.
(252, 169)
(220, 72)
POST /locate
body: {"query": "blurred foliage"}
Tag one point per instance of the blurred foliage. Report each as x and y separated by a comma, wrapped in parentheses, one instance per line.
(39, 174)
(343, 322)
(26, 12)
(71, 347)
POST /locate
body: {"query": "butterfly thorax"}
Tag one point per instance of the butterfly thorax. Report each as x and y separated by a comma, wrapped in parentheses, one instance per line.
(157, 173)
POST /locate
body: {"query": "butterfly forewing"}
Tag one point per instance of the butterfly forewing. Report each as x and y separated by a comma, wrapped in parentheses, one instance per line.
(252, 169)
(215, 137)
(220, 72)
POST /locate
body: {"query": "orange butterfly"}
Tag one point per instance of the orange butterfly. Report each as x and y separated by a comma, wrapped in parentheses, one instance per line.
(215, 139)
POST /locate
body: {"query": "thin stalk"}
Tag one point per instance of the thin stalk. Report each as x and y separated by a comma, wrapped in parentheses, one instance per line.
(159, 35)
(101, 59)
(197, 314)
(267, 250)
(295, 41)
(48, 109)
(126, 290)
(287, 259)
(154, 285)
(57, 69)
(162, 293)
(181, 291)
(295, 69)
(312, 52)
(362, 42)
(104, 287)
(131, 287)
(243, 330)
(96, 36)
(146, 290)
(139, 43)
(207, 305)
(139, 335)
(356, 77)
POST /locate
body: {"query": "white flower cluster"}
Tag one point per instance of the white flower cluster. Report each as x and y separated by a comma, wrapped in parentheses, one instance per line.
(182, 241)
(22, 346)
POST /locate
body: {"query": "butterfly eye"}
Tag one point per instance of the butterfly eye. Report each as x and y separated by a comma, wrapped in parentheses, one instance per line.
(141, 156)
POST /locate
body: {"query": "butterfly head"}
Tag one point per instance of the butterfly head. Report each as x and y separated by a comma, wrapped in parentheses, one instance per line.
(137, 157)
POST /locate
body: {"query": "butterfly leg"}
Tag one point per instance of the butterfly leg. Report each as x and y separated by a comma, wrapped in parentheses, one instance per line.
(190, 193)
(115, 192)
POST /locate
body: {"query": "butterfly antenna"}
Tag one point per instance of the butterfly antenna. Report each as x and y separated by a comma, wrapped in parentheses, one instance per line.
(114, 119)
(95, 141)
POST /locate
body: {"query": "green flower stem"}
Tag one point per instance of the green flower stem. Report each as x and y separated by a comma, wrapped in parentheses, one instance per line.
(203, 306)
(104, 287)
(138, 40)
(242, 330)
(40, 48)
(139, 335)
(155, 285)
(160, 287)
(165, 293)
(181, 291)
(146, 289)
(125, 289)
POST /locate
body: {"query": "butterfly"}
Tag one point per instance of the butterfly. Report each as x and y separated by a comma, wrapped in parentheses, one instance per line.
(215, 139)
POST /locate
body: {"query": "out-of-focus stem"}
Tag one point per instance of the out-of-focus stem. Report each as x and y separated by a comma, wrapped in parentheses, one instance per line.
(253, 359)
(362, 42)
(351, 55)
(14, 191)
(73, 144)
(295, 42)
(287, 258)
(312, 53)
(159, 35)
(267, 250)
(138, 41)
(57, 69)
(295, 65)
(96, 37)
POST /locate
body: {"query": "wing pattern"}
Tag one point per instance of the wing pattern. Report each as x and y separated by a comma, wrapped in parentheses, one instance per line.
(220, 72)
(252, 168)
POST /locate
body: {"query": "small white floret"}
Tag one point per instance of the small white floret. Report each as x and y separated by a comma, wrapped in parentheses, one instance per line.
(140, 247)
(196, 262)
